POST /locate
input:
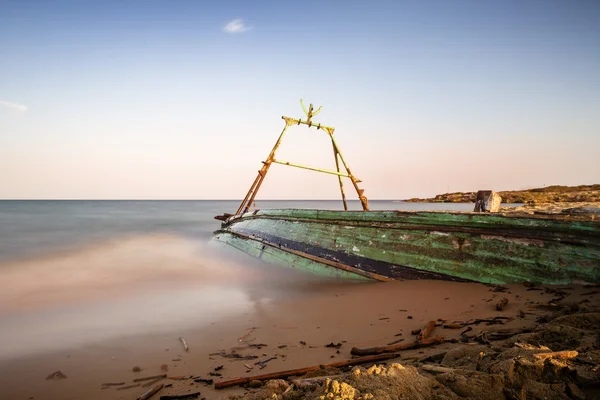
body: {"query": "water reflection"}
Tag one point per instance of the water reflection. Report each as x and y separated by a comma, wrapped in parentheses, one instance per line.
(144, 284)
(147, 313)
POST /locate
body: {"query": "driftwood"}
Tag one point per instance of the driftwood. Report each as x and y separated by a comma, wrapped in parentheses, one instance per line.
(264, 362)
(151, 392)
(152, 382)
(564, 355)
(149, 378)
(395, 341)
(246, 334)
(424, 334)
(185, 346)
(113, 384)
(234, 355)
(452, 326)
(180, 396)
(398, 347)
(129, 386)
(489, 321)
(257, 345)
(302, 371)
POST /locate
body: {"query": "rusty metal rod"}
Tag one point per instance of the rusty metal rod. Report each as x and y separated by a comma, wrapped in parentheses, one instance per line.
(248, 194)
(359, 191)
(251, 194)
(293, 121)
(326, 171)
(245, 206)
(149, 378)
(337, 167)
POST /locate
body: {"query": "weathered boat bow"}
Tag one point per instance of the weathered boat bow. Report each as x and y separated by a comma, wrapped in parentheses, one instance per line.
(387, 245)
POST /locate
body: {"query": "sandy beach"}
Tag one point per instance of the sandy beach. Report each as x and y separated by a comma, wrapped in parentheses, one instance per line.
(112, 311)
(294, 320)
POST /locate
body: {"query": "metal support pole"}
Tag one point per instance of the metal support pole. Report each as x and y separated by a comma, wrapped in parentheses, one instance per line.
(245, 206)
(337, 166)
(325, 171)
(364, 201)
(293, 121)
(251, 194)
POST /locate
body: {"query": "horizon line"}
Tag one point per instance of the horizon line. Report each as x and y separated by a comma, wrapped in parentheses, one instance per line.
(239, 200)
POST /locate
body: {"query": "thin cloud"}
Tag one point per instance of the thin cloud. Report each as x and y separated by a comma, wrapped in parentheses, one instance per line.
(236, 26)
(14, 106)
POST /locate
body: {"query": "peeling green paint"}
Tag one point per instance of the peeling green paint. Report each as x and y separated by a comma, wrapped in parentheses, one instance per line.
(276, 256)
(482, 247)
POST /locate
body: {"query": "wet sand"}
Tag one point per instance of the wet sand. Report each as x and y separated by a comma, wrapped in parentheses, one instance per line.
(295, 318)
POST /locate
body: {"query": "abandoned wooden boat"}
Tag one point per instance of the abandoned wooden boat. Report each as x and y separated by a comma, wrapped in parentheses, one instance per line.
(387, 245)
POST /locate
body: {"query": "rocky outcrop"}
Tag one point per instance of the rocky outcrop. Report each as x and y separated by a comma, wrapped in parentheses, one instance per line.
(559, 360)
(549, 194)
(487, 201)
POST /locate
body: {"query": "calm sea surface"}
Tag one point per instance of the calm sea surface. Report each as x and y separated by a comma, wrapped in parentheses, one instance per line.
(33, 228)
(74, 273)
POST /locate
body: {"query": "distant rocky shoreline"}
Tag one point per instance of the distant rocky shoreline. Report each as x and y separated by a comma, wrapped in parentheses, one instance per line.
(546, 195)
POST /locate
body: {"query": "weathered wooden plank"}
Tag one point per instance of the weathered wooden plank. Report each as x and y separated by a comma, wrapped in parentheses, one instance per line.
(440, 219)
(276, 256)
(544, 231)
(474, 248)
(440, 252)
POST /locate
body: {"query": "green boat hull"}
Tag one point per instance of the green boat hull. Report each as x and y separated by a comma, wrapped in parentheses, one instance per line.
(386, 245)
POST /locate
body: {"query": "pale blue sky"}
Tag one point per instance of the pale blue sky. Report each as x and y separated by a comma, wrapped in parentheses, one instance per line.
(158, 99)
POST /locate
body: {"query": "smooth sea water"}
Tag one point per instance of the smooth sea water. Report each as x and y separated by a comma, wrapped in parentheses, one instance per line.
(36, 227)
(74, 273)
